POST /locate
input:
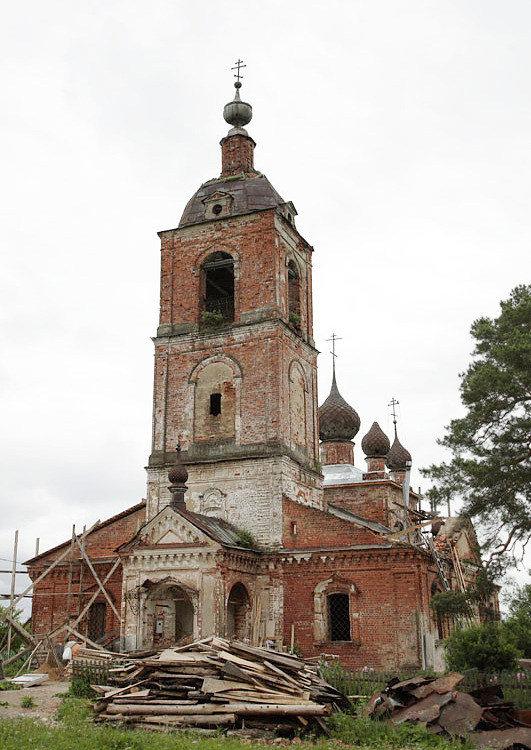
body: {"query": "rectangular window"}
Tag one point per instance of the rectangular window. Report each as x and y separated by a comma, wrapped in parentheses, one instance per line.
(339, 617)
(215, 404)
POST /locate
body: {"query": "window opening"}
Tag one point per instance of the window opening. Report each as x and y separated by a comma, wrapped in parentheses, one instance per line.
(294, 301)
(218, 271)
(339, 617)
(217, 209)
(215, 404)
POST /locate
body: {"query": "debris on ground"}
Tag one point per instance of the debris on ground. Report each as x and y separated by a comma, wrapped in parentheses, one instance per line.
(482, 715)
(218, 683)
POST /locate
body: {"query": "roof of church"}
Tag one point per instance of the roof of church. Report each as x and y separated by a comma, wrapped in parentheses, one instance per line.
(216, 528)
(100, 525)
(249, 192)
(347, 515)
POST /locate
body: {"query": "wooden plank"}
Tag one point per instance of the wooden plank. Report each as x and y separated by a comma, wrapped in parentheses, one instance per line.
(87, 606)
(50, 567)
(412, 528)
(97, 579)
(22, 632)
(242, 709)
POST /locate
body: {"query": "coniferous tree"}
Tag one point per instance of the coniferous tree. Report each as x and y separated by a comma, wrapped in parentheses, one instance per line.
(490, 470)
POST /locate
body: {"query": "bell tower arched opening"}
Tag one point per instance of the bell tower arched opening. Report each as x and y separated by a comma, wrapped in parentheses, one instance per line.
(218, 287)
(294, 294)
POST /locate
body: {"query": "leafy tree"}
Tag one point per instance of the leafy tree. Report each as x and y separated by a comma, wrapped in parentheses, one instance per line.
(517, 627)
(484, 647)
(491, 445)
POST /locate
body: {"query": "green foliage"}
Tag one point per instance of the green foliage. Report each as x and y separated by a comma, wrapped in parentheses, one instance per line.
(246, 539)
(27, 702)
(491, 468)
(483, 647)
(367, 732)
(16, 640)
(294, 319)
(212, 319)
(451, 603)
(80, 687)
(73, 710)
(517, 627)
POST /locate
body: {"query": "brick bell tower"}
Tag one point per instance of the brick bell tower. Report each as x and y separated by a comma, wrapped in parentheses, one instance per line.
(235, 363)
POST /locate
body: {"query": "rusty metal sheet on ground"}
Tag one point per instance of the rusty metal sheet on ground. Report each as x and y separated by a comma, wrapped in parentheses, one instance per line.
(461, 716)
(411, 682)
(447, 682)
(423, 691)
(426, 710)
(502, 738)
(371, 705)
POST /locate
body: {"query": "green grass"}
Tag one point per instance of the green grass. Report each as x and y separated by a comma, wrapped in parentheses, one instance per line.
(27, 702)
(75, 730)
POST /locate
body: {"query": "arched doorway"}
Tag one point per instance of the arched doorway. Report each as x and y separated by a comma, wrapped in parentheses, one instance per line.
(170, 615)
(238, 613)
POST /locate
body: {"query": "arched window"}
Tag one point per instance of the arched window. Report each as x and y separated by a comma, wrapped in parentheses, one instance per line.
(336, 611)
(294, 294)
(238, 613)
(218, 289)
(96, 621)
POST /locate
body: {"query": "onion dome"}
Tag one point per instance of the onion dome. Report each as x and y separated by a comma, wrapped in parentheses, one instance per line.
(375, 443)
(178, 473)
(236, 112)
(398, 456)
(337, 419)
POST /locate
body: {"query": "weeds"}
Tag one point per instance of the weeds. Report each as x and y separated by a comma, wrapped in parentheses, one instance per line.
(365, 732)
(27, 702)
(9, 686)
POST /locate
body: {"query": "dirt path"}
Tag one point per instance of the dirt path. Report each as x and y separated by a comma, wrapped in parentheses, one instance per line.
(44, 696)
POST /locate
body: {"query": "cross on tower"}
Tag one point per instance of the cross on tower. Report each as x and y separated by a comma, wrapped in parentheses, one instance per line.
(333, 339)
(239, 64)
(393, 404)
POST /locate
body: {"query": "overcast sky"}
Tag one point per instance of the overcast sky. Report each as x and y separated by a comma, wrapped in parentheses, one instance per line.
(399, 129)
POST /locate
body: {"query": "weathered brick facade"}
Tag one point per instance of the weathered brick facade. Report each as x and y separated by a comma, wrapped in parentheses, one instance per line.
(260, 548)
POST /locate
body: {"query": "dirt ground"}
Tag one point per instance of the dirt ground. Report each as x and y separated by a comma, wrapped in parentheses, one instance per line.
(44, 696)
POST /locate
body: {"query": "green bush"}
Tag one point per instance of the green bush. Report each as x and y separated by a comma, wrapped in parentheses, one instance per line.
(212, 319)
(27, 702)
(483, 647)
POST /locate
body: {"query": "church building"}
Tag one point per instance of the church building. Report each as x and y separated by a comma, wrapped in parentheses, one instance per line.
(257, 524)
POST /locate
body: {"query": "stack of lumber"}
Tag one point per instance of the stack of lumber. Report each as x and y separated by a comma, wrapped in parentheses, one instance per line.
(214, 682)
(83, 655)
(482, 716)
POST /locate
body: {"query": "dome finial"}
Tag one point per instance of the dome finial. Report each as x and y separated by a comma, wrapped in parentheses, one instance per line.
(398, 457)
(238, 113)
(393, 404)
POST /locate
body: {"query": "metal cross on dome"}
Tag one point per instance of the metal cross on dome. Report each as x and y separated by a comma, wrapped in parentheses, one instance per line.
(239, 64)
(393, 404)
(333, 339)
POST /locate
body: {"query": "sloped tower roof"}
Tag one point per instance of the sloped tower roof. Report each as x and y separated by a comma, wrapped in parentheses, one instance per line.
(248, 189)
(337, 419)
(398, 455)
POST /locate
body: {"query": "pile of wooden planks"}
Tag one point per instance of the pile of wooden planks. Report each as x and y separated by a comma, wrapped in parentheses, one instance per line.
(214, 682)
